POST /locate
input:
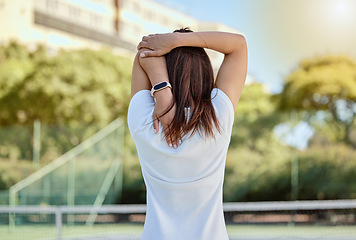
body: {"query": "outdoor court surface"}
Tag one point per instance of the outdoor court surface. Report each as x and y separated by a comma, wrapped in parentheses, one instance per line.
(231, 238)
(133, 232)
(256, 237)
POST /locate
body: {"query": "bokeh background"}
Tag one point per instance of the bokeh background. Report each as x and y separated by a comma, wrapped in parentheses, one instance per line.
(65, 68)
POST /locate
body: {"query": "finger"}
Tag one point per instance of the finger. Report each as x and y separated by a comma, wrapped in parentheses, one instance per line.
(145, 38)
(167, 137)
(138, 46)
(152, 53)
(156, 125)
(142, 44)
(176, 142)
(180, 141)
(170, 141)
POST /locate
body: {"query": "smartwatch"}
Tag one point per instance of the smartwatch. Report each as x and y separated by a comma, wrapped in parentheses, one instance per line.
(159, 87)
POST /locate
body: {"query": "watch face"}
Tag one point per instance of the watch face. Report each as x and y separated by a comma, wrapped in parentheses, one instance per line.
(160, 85)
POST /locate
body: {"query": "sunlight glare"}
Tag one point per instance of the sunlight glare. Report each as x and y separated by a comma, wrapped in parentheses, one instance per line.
(342, 10)
(339, 15)
(341, 7)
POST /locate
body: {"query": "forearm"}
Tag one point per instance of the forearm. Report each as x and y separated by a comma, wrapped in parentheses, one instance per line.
(155, 68)
(222, 42)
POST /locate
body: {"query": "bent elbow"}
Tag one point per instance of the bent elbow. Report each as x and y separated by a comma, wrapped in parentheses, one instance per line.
(241, 42)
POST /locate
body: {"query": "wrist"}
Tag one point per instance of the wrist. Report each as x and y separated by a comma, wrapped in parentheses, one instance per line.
(177, 40)
(164, 95)
(160, 86)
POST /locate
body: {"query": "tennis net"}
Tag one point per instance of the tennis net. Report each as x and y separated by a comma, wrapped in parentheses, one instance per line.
(323, 220)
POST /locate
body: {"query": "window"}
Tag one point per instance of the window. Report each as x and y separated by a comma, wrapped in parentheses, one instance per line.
(95, 19)
(74, 12)
(52, 4)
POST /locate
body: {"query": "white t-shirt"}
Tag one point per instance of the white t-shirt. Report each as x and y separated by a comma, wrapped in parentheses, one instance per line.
(184, 185)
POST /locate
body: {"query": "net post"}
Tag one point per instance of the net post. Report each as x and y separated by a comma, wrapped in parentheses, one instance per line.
(46, 188)
(120, 156)
(294, 183)
(12, 203)
(36, 143)
(71, 187)
(58, 217)
(294, 176)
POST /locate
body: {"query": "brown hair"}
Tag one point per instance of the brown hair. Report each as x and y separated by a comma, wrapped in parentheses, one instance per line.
(191, 76)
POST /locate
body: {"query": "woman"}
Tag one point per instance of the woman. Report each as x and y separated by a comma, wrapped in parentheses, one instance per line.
(181, 122)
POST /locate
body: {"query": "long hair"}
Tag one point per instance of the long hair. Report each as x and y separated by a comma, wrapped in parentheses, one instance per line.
(191, 76)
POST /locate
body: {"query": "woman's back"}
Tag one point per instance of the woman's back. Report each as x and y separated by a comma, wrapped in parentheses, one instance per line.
(183, 158)
(184, 184)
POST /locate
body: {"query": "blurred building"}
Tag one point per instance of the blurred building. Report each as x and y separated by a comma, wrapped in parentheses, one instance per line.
(119, 24)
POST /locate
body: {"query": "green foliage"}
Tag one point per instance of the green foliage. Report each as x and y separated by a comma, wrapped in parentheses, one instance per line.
(81, 91)
(257, 163)
(255, 117)
(327, 172)
(12, 172)
(77, 87)
(319, 82)
(15, 142)
(134, 189)
(258, 176)
(259, 168)
(324, 84)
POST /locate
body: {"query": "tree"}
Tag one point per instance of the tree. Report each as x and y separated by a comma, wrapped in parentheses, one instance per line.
(327, 172)
(257, 167)
(82, 90)
(77, 87)
(325, 84)
(255, 117)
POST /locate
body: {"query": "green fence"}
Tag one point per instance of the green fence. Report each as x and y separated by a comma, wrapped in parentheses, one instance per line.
(89, 174)
(42, 142)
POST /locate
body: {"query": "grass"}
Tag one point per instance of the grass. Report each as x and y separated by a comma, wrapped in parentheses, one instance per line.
(41, 232)
(38, 232)
(290, 231)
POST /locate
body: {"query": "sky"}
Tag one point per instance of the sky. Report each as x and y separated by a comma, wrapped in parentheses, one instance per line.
(281, 33)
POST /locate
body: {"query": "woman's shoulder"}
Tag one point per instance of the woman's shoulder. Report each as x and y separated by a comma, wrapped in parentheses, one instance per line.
(140, 109)
(218, 96)
(224, 109)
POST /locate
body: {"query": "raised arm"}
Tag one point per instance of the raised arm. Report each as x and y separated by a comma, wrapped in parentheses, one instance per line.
(232, 73)
(146, 73)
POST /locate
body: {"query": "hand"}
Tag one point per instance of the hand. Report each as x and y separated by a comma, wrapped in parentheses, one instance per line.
(164, 101)
(160, 44)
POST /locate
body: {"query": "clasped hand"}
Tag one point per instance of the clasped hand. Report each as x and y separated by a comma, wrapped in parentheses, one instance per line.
(159, 44)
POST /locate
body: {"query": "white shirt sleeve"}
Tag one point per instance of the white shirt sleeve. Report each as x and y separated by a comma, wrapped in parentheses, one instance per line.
(140, 110)
(223, 109)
